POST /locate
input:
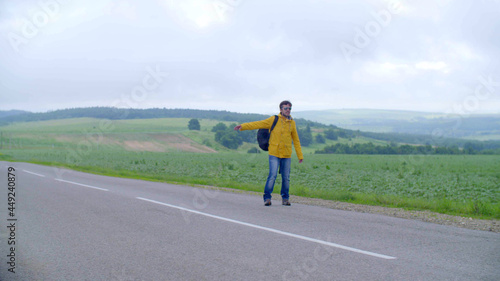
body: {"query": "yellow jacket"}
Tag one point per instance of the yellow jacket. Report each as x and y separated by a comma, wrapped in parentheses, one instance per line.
(280, 142)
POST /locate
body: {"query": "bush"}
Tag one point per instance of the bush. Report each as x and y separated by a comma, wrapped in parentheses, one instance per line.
(194, 124)
(253, 150)
(219, 127)
(320, 139)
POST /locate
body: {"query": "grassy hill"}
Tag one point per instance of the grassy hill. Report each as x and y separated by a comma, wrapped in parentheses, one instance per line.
(154, 135)
(159, 135)
(113, 121)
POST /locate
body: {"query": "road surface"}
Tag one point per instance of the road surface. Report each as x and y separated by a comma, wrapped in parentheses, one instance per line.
(68, 225)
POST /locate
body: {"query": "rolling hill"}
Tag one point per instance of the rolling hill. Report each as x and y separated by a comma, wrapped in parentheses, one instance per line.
(479, 127)
(397, 132)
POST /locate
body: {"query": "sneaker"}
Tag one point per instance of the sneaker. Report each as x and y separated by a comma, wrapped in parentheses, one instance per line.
(267, 202)
(286, 202)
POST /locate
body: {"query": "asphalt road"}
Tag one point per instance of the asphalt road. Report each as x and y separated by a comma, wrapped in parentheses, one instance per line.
(69, 225)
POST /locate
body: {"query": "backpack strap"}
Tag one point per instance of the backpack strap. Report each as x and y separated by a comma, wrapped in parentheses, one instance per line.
(274, 123)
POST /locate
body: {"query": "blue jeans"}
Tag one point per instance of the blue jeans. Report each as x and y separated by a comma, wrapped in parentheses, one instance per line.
(284, 164)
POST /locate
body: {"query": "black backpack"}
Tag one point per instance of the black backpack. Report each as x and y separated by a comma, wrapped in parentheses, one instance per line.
(263, 135)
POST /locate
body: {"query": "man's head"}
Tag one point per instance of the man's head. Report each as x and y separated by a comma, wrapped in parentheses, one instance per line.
(285, 108)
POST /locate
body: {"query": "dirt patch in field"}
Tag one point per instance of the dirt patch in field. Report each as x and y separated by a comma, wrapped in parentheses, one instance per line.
(148, 142)
(143, 146)
(101, 140)
(64, 138)
(177, 142)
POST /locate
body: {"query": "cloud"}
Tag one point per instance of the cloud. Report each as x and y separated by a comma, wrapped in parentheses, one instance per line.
(430, 65)
(250, 55)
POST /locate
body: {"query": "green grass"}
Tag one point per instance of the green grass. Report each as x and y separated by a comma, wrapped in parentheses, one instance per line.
(466, 185)
(461, 185)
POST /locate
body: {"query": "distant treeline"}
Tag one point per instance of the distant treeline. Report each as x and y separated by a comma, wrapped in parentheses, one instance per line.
(433, 140)
(370, 148)
(113, 113)
(7, 113)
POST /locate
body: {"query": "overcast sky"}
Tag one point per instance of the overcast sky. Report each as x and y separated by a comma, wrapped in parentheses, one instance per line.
(249, 55)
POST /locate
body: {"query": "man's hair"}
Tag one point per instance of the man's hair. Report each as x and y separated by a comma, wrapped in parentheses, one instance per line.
(284, 103)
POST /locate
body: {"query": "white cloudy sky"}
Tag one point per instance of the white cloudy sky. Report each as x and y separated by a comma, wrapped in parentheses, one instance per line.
(248, 55)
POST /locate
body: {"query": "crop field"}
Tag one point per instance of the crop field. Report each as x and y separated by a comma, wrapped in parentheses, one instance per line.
(456, 184)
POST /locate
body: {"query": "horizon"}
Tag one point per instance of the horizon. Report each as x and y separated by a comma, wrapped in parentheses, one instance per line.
(265, 113)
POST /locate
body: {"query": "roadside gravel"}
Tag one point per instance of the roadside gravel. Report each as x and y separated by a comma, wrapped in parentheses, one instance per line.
(426, 216)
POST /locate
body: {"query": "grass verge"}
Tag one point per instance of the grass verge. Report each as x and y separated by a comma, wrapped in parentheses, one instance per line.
(468, 208)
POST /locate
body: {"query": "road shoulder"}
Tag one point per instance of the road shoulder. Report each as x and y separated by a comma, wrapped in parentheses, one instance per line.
(425, 216)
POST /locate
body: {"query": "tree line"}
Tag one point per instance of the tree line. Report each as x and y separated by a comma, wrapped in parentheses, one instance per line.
(226, 136)
(370, 148)
(114, 113)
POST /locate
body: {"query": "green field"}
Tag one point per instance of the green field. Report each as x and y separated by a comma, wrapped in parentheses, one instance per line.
(164, 150)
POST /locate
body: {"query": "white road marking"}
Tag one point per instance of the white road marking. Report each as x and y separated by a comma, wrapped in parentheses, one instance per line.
(81, 184)
(34, 174)
(275, 231)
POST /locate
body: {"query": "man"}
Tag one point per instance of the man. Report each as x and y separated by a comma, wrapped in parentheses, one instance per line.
(280, 149)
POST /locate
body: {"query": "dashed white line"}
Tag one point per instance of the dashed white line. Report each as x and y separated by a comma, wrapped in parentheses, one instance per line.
(81, 184)
(274, 230)
(34, 173)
